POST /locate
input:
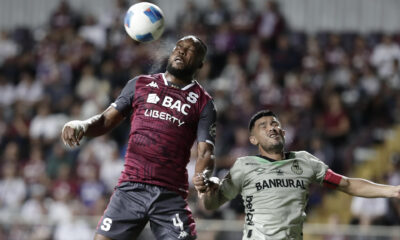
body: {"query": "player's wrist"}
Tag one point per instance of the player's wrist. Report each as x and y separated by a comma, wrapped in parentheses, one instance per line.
(78, 125)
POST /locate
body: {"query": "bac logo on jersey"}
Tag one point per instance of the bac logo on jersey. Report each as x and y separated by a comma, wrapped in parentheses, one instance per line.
(152, 84)
(296, 168)
(153, 98)
(171, 103)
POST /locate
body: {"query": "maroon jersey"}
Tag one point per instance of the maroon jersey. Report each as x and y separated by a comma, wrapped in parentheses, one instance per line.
(165, 122)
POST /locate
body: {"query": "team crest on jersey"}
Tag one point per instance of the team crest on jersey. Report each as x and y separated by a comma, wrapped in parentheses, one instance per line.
(296, 168)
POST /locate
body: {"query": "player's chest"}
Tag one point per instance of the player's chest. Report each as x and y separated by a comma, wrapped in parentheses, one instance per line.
(166, 103)
(291, 176)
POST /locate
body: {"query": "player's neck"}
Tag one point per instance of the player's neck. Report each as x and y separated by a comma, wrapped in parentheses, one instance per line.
(181, 82)
(274, 156)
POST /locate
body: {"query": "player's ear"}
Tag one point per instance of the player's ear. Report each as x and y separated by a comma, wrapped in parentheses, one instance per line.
(253, 140)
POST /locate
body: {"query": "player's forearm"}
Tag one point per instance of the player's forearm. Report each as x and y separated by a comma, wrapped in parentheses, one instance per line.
(96, 126)
(205, 158)
(102, 123)
(364, 188)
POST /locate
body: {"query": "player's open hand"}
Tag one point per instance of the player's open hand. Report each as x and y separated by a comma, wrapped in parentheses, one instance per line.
(73, 132)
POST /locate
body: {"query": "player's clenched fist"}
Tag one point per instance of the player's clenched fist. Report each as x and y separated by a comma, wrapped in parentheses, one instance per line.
(73, 132)
(199, 183)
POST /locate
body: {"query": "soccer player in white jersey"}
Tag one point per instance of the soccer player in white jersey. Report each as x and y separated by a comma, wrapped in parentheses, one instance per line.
(275, 184)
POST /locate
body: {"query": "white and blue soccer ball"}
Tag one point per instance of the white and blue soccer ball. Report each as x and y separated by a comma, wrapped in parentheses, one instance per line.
(144, 22)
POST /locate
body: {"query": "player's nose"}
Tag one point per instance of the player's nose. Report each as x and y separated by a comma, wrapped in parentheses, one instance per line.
(181, 52)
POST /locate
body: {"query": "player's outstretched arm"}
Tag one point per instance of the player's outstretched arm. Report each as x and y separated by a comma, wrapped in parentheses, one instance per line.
(364, 188)
(73, 131)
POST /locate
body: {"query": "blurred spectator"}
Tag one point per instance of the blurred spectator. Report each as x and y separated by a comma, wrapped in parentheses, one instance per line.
(335, 53)
(336, 121)
(59, 209)
(100, 150)
(383, 56)
(284, 58)
(35, 209)
(368, 211)
(8, 48)
(243, 24)
(93, 32)
(65, 182)
(28, 90)
(46, 126)
(35, 168)
(360, 54)
(253, 56)
(341, 75)
(270, 24)
(369, 82)
(63, 16)
(74, 228)
(7, 92)
(216, 15)
(269, 92)
(394, 79)
(12, 191)
(91, 188)
(188, 20)
(56, 158)
(111, 169)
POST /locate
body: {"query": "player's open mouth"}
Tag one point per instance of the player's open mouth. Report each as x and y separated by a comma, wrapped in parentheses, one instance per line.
(178, 60)
(273, 135)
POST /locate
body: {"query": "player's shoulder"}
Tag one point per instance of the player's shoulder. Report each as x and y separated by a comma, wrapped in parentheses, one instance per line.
(303, 155)
(148, 80)
(247, 161)
(149, 77)
(202, 89)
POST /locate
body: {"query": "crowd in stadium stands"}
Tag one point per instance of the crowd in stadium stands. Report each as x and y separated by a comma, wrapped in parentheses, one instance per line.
(335, 93)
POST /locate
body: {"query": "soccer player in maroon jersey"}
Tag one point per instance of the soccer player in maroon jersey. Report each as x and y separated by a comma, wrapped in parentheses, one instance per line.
(168, 112)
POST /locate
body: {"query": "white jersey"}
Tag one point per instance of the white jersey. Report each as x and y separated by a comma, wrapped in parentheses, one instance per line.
(275, 193)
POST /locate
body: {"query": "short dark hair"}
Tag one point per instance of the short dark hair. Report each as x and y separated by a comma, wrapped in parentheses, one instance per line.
(202, 44)
(258, 115)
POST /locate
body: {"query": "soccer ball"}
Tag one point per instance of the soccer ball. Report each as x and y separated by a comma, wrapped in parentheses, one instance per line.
(144, 22)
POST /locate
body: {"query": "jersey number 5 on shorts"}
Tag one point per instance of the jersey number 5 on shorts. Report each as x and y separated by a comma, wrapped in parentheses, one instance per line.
(106, 224)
